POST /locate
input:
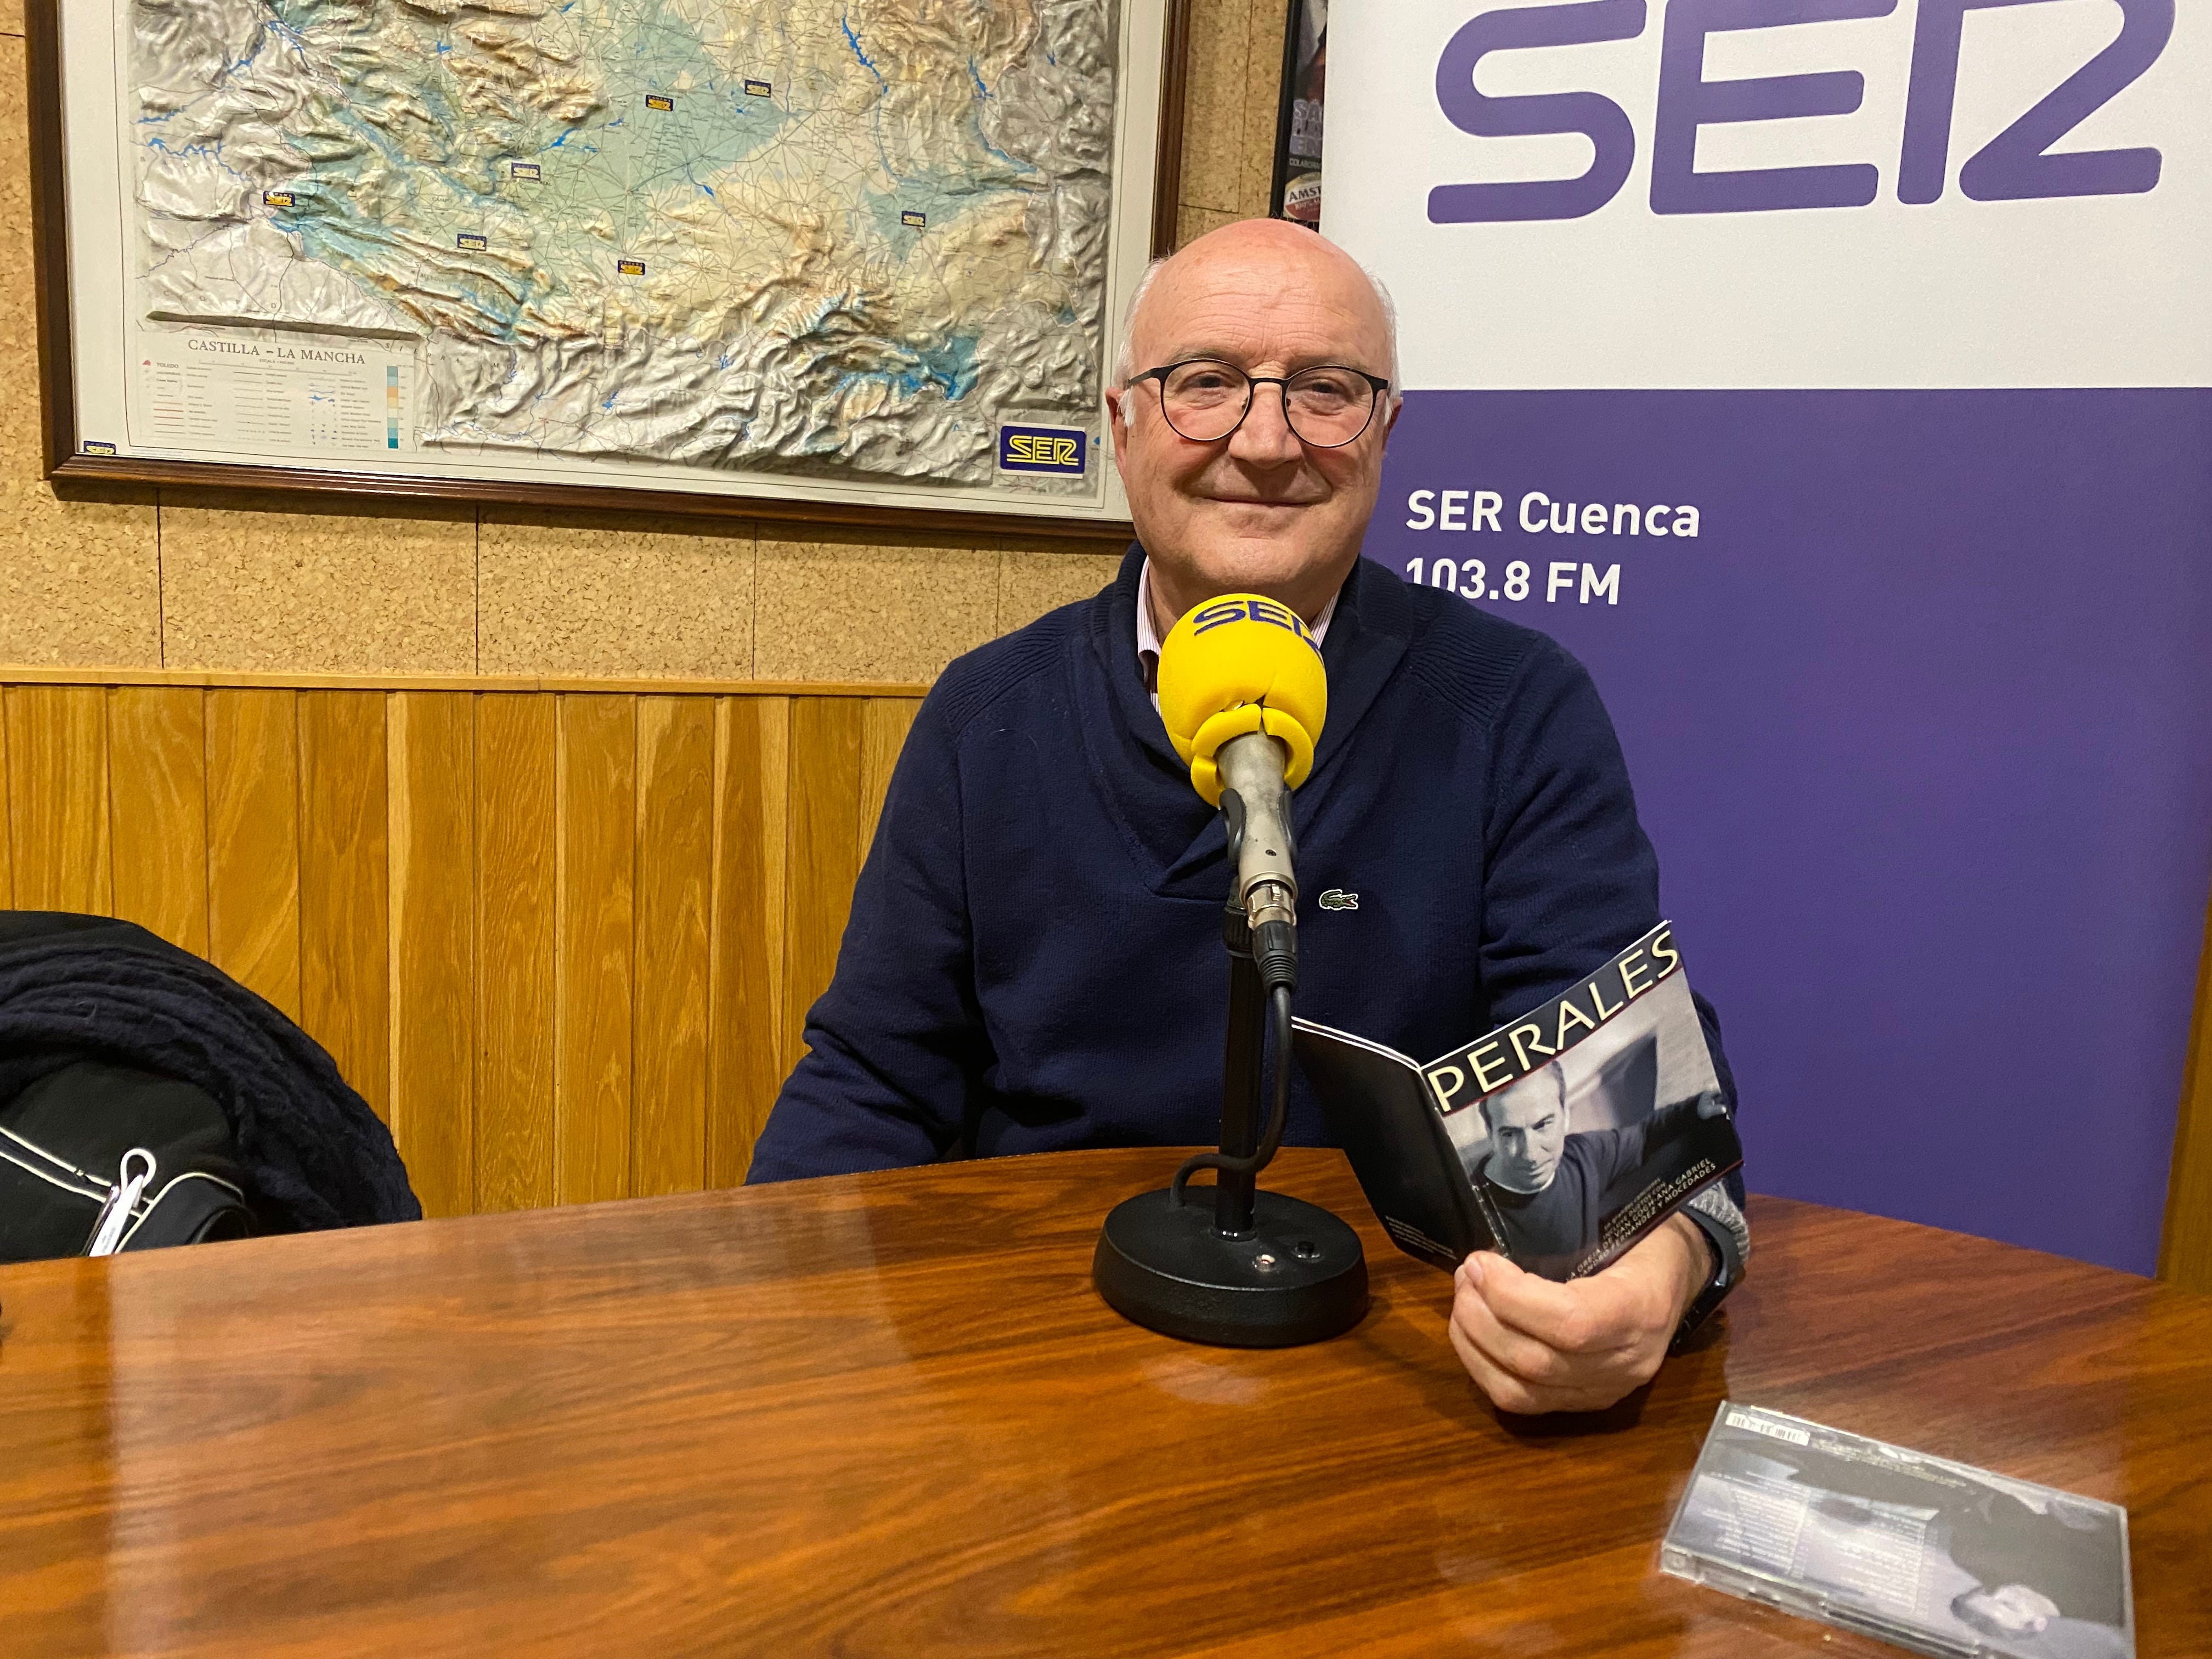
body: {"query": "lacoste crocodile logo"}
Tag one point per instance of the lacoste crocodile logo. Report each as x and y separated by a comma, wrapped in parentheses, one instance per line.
(1337, 899)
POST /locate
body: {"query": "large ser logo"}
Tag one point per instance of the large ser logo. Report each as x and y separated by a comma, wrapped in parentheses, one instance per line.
(1061, 451)
(2017, 165)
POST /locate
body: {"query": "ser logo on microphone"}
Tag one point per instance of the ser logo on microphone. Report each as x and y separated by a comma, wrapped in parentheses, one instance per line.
(1223, 612)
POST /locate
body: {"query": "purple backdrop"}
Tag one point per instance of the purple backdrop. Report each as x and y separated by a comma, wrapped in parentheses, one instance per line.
(1921, 722)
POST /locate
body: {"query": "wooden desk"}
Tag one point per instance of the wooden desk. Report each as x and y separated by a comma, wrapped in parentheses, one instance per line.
(887, 1416)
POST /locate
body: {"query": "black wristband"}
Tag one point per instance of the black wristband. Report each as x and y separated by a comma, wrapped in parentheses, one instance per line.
(1727, 1271)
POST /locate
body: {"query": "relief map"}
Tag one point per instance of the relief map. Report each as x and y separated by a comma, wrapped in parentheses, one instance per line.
(840, 237)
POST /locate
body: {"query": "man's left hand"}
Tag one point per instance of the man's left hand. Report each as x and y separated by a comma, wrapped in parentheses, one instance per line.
(1535, 1347)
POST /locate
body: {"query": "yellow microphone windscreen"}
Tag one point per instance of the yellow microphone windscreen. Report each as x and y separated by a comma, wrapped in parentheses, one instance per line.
(1237, 664)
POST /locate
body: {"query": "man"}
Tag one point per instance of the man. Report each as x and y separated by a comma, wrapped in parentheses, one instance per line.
(1552, 1190)
(1034, 957)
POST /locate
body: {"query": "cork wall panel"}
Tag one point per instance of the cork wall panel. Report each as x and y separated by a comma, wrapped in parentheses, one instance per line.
(1219, 76)
(1265, 27)
(842, 608)
(1193, 222)
(1030, 584)
(319, 592)
(79, 582)
(614, 596)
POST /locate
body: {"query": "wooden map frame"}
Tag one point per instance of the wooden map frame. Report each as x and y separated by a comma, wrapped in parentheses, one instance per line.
(76, 476)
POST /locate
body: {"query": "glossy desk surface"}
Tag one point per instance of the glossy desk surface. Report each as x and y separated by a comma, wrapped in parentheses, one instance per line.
(886, 1415)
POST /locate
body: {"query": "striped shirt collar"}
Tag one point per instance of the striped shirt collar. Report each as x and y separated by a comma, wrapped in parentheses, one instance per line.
(1148, 637)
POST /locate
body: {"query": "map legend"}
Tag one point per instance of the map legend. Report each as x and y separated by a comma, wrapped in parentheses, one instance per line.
(266, 393)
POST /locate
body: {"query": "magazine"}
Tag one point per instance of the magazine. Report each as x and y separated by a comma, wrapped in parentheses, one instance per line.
(1932, 1555)
(1559, 1139)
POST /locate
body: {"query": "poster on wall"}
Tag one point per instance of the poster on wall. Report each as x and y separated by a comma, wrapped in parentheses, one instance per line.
(820, 261)
(1297, 127)
(1831, 377)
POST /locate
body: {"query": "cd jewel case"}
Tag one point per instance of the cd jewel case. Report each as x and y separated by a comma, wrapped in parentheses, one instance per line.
(1929, 1554)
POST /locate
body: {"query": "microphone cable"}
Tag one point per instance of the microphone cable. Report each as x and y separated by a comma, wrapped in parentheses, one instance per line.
(1278, 1111)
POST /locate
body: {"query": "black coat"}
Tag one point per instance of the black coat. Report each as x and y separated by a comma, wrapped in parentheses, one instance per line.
(76, 988)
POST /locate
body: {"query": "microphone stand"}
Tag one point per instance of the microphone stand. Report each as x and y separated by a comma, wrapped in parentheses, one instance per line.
(1240, 1077)
(1253, 1269)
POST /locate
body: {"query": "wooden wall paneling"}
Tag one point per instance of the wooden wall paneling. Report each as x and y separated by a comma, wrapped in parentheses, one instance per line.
(58, 799)
(675, 872)
(884, 722)
(345, 938)
(157, 809)
(7, 816)
(746, 1061)
(430, 738)
(253, 841)
(516, 850)
(597, 810)
(482, 905)
(2186, 1257)
(824, 858)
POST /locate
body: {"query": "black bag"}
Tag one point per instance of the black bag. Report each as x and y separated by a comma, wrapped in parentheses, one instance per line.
(96, 1158)
(302, 1146)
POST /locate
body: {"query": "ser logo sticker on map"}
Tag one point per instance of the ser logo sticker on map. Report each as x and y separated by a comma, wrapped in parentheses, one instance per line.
(1058, 451)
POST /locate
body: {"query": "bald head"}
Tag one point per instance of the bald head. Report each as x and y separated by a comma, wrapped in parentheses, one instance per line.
(1260, 510)
(1268, 248)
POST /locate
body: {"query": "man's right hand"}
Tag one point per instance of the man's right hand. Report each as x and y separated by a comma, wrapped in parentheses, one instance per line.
(1534, 1346)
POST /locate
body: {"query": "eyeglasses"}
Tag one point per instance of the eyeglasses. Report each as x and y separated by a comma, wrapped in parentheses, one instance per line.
(1326, 406)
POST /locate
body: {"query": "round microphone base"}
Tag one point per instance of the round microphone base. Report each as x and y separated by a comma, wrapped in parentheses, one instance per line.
(1299, 1276)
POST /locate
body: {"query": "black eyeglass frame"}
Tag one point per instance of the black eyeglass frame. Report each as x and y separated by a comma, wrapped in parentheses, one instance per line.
(1380, 388)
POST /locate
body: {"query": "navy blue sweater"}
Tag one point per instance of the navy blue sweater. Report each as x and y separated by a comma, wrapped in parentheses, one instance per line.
(1034, 958)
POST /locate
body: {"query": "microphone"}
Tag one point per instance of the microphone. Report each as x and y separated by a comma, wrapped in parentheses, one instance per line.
(1243, 695)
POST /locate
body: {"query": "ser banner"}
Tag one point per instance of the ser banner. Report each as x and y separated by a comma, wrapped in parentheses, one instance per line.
(1830, 376)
